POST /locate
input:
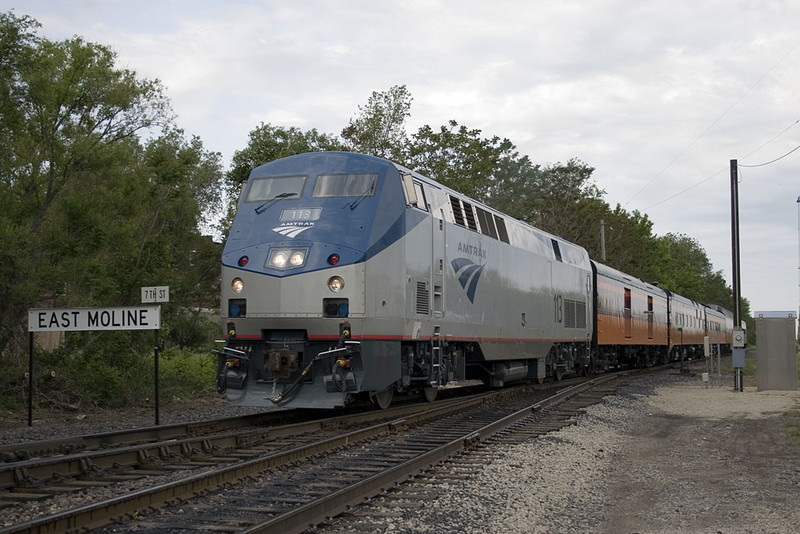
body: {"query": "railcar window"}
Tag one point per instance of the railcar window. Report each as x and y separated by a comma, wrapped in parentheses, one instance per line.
(345, 185)
(275, 188)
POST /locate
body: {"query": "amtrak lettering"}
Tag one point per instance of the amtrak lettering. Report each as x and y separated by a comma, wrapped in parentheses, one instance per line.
(468, 275)
(472, 250)
(293, 229)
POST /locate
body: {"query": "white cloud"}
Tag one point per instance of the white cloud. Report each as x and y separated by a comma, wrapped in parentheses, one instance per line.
(657, 96)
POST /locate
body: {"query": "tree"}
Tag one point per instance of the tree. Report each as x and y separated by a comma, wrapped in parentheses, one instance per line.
(460, 158)
(65, 109)
(90, 212)
(268, 143)
(379, 130)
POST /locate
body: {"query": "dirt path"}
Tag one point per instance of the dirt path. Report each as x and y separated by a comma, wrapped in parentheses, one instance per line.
(727, 465)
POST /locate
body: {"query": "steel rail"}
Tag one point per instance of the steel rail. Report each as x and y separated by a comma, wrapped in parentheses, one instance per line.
(175, 441)
(99, 514)
(25, 450)
(308, 515)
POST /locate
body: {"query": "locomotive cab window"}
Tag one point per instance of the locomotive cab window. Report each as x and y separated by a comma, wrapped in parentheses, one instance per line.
(345, 185)
(275, 188)
(415, 196)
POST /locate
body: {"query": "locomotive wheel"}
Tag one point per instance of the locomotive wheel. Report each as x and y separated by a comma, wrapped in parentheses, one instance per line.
(428, 394)
(558, 374)
(382, 399)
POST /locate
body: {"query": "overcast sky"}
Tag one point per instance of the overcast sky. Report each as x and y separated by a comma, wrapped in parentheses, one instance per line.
(657, 96)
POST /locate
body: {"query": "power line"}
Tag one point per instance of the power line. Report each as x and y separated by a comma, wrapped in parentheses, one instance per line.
(703, 133)
(773, 138)
(773, 161)
(685, 190)
(740, 165)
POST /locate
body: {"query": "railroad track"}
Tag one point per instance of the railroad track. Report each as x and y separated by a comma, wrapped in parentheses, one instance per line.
(299, 477)
(549, 415)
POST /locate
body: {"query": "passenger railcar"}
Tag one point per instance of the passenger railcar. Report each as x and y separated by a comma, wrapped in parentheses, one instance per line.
(687, 328)
(719, 327)
(347, 275)
(631, 320)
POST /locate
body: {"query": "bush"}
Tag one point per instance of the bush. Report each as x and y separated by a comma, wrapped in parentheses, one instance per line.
(186, 374)
(109, 370)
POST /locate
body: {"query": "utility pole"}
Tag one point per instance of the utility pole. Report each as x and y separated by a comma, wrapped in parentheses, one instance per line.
(738, 335)
(603, 238)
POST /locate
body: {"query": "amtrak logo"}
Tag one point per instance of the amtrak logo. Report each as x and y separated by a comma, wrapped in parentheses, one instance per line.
(468, 275)
(291, 230)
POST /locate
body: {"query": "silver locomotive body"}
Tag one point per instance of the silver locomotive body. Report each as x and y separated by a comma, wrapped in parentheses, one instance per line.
(347, 275)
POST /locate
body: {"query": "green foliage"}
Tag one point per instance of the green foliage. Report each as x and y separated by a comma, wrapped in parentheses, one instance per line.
(106, 369)
(268, 143)
(110, 370)
(186, 374)
(91, 213)
(459, 158)
(379, 130)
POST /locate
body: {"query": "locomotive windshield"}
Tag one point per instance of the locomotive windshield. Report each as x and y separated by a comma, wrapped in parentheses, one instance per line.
(345, 185)
(275, 187)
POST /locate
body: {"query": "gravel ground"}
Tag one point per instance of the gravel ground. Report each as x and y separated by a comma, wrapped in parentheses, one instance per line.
(668, 454)
(57, 424)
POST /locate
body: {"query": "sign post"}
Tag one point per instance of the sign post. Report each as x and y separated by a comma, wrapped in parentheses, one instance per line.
(153, 294)
(88, 319)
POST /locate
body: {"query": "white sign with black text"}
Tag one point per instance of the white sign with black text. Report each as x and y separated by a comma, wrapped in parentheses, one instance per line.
(78, 319)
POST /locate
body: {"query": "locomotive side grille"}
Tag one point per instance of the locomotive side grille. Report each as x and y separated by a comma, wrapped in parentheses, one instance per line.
(457, 213)
(423, 298)
(469, 216)
(574, 314)
(502, 233)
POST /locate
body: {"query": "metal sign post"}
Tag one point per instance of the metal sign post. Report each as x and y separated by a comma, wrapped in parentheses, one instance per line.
(153, 294)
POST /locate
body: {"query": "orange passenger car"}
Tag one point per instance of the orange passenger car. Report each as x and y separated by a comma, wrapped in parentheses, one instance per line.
(686, 327)
(632, 318)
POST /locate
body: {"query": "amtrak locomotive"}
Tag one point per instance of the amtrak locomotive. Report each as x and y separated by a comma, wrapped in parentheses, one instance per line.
(347, 275)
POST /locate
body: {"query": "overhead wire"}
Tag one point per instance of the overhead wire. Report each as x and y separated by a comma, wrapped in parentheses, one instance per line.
(703, 133)
(772, 161)
(701, 182)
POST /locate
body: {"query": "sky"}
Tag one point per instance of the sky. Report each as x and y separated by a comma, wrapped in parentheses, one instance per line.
(658, 96)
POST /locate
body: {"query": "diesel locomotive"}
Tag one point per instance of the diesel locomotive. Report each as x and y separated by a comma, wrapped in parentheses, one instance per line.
(346, 276)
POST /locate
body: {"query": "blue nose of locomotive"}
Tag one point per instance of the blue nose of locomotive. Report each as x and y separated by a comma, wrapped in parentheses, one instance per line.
(310, 212)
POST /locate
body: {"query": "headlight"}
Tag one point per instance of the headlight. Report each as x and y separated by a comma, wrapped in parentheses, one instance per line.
(335, 284)
(237, 285)
(279, 260)
(298, 258)
(285, 258)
